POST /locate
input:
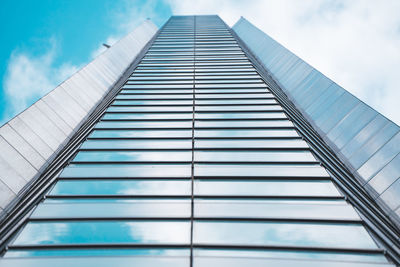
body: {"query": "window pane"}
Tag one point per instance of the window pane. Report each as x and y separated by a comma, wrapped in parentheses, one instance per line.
(241, 115)
(151, 109)
(148, 116)
(235, 102)
(141, 134)
(159, 261)
(131, 156)
(97, 252)
(245, 133)
(109, 208)
(285, 234)
(256, 85)
(157, 91)
(157, 86)
(127, 170)
(240, 96)
(285, 254)
(258, 170)
(267, 208)
(242, 123)
(151, 102)
(202, 91)
(158, 96)
(247, 261)
(227, 108)
(115, 187)
(253, 156)
(257, 188)
(143, 124)
(100, 232)
(260, 143)
(137, 144)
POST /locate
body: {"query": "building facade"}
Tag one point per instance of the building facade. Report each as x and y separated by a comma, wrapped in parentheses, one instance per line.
(197, 157)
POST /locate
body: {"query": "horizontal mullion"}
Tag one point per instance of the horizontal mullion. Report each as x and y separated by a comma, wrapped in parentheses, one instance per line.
(97, 245)
(144, 120)
(132, 92)
(152, 105)
(145, 112)
(224, 197)
(210, 246)
(128, 162)
(118, 196)
(230, 104)
(184, 218)
(142, 128)
(261, 149)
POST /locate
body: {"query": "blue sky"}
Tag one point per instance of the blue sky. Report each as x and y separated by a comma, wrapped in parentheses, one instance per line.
(355, 43)
(64, 32)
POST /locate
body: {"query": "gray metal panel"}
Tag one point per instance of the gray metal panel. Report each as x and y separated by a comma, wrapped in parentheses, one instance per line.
(366, 141)
(6, 194)
(10, 177)
(16, 161)
(32, 139)
(22, 146)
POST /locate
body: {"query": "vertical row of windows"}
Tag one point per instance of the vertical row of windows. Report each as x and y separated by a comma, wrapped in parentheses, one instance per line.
(196, 163)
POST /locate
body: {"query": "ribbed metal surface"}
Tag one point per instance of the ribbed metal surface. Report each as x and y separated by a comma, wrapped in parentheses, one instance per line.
(366, 141)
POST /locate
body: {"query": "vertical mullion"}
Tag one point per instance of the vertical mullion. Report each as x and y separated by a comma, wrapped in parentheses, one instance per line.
(193, 124)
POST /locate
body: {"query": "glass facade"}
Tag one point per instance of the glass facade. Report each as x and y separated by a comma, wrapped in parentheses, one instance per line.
(194, 163)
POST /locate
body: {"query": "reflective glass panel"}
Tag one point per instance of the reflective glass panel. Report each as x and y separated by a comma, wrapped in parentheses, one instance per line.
(237, 133)
(133, 156)
(115, 187)
(97, 252)
(141, 134)
(126, 170)
(258, 170)
(273, 208)
(253, 156)
(242, 123)
(287, 234)
(138, 144)
(114, 208)
(99, 232)
(241, 115)
(253, 143)
(285, 254)
(147, 116)
(143, 124)
(260, 188)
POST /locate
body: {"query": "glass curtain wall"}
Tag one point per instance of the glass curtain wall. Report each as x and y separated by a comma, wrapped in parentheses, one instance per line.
(195, 164)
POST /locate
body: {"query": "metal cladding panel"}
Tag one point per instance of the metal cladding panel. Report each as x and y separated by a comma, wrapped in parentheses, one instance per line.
(367, 142)
(33, 138)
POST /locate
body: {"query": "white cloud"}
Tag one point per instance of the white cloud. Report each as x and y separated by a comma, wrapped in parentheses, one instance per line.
(126, 19)
(355, 43)
(29, 77)
(110, 41)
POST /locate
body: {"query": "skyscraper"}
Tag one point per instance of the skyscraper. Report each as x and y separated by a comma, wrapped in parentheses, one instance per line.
(202, 153)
